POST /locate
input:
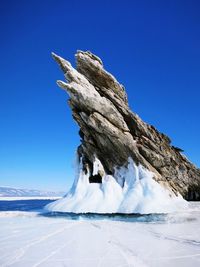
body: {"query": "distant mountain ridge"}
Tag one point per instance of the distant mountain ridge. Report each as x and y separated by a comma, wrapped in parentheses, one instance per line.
(18, 192)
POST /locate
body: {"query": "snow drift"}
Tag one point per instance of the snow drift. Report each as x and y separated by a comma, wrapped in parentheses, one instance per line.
(131, 189)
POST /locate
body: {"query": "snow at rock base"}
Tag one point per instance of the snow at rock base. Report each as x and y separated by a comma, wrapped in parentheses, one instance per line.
(131, 189)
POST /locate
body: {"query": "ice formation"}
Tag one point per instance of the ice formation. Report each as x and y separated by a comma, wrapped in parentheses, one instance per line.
(131, 189)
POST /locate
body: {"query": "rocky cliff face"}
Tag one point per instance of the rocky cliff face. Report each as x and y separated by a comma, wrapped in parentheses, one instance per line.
(110, 131)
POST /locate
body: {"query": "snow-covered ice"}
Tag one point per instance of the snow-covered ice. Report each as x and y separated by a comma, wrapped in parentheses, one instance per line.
(28, 239)
(168, 235)
(129, 190)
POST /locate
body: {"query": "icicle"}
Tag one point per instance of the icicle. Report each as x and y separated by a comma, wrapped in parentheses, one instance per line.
(131, 189)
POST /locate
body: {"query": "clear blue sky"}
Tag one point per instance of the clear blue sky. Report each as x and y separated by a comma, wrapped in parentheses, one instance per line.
(152, 47)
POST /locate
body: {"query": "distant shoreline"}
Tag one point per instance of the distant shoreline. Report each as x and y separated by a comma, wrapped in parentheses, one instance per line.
(28, 198)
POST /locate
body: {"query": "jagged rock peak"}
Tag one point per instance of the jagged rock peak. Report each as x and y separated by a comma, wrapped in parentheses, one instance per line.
(89, 54)
(110, 131)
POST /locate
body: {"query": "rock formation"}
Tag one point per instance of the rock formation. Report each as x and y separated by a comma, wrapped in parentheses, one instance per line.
(111, 132)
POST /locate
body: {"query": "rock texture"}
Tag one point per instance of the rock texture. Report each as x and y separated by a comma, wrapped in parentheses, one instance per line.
(110, 131)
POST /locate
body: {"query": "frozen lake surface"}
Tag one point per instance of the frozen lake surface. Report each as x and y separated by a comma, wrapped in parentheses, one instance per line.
(29, 237)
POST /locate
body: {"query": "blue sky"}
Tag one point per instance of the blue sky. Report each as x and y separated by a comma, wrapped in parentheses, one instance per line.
(152, 47)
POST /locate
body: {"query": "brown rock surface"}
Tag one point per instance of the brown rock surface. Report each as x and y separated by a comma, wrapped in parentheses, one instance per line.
(112, 132)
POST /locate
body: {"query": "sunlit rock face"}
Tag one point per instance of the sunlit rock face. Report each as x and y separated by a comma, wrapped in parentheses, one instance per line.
(113, 134)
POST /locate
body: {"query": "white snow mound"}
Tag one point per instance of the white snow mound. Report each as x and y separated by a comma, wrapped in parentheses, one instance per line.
(131, 189)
